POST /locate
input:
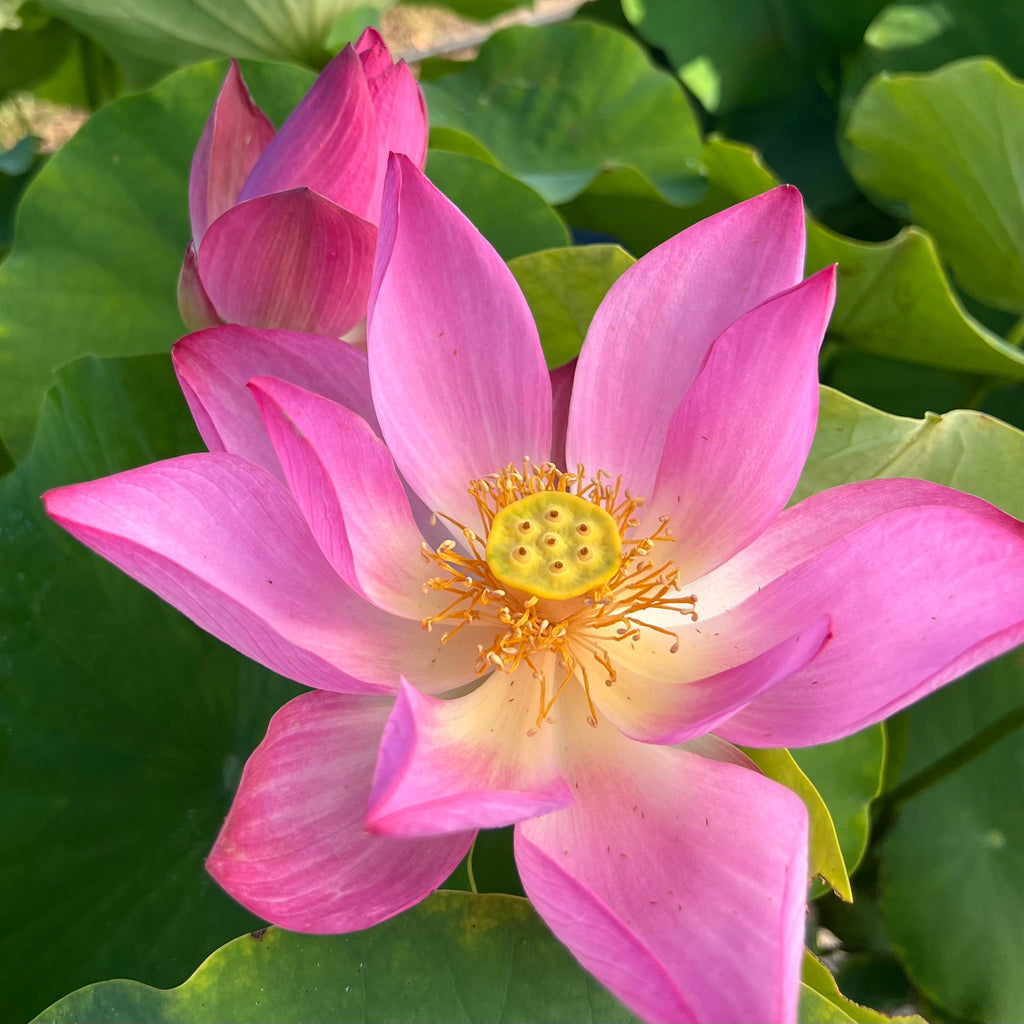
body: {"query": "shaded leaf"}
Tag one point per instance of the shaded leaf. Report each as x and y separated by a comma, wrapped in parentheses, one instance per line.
(33, 51)
(16, 167)
(124, 727)
(951, 888)
(730, 54)
(920, 35)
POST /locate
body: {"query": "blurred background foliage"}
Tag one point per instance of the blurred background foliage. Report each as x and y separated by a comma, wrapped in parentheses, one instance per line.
(575, 146)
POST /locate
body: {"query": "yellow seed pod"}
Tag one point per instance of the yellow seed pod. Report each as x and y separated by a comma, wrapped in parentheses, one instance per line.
(554, 545)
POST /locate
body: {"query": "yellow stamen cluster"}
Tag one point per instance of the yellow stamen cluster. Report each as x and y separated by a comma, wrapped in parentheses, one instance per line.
(527, 620)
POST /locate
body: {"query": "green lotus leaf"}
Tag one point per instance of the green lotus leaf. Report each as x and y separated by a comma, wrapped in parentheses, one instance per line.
(456, 957)
(558, 104)
(564, 287)
(951, 888)
(124, 727)
(947, 146)
(152, 37)
(513, 218)
(825, 858)
(964, 449)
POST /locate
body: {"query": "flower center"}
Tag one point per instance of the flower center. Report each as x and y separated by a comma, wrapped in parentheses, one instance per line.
(557, 573)
(554, 545)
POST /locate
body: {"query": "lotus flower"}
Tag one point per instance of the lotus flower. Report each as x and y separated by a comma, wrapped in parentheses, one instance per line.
(551, 650)
(300, 205)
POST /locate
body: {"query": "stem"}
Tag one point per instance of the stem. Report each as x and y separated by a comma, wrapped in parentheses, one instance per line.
(469, 870)
(983, 389)
(956, 758)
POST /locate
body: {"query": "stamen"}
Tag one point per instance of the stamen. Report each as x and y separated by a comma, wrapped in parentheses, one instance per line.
(528, 618)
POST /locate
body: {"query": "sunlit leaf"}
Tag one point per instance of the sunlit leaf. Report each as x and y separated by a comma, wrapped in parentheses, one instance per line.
(151, 37)
(848, 776)
(821, 1002)
(963, 449)
(556, 105)
(564, 287)
(825, 858)
(893, 297)
(509, 214)
(949, 146)
(454, 958)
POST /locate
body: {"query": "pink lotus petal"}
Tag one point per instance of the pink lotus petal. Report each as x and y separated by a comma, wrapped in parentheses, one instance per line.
(456, 368)
(679, 882)
(329, 144)
(345, 483)
(401, 113)
(739, 439)
(197, 311)
(235, 135)
(715, 749)
(922, 584)
(293, 848)
(222, 541)
(373, 52)
(476, 762)
(561, 392)
(651, 332)
(657, 712)
(306, 267)
(214, 367)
